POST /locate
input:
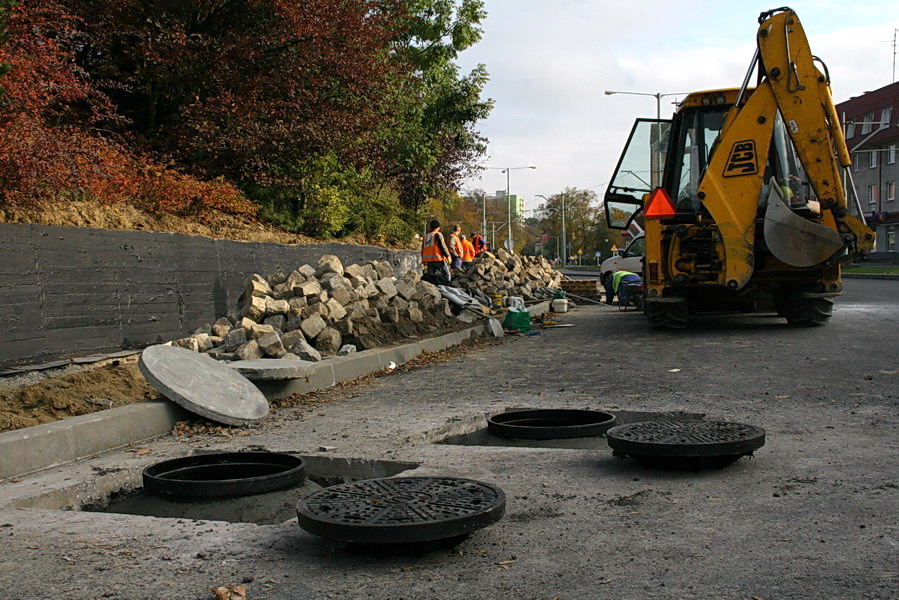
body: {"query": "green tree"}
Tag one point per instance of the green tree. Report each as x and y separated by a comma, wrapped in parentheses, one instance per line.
(585, 225)
(433, 144)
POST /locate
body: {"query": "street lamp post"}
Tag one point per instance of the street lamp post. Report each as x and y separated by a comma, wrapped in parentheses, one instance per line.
(509, 197)
(657, 96)
(564, 248)
(656, 170)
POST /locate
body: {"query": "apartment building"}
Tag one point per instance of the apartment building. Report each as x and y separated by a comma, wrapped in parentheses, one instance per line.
(517, 202)
(871, 123)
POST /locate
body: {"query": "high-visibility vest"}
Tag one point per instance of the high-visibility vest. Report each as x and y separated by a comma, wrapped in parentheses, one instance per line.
(430, 249)
(467, 251)
(455, 244)
(480, 244)
(617, 277)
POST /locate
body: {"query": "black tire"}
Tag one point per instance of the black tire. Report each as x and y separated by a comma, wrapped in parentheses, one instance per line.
(803, 312)
(666, 315)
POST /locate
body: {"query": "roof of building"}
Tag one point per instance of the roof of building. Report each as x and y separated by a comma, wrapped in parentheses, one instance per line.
(860, 108)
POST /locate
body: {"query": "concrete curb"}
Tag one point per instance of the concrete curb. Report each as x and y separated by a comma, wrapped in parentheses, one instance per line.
(33, 448)
(52, 444)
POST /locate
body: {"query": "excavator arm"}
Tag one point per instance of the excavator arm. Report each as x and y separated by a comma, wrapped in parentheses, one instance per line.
(792, 93)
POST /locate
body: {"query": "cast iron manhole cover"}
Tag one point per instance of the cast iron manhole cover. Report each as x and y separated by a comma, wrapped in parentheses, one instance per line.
(223, 475)
(685, 445)
(550, 424)
(401, 510)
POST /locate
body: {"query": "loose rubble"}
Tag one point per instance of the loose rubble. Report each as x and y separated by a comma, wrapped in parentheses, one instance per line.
(504, 274)
(328, 310)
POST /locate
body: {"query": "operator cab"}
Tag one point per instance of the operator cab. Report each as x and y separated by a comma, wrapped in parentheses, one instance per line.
(674, 154)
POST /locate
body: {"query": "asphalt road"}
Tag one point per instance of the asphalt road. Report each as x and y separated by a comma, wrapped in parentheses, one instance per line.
(813, 514)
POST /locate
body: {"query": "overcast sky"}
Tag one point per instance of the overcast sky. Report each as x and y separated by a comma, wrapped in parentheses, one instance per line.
(551, 60)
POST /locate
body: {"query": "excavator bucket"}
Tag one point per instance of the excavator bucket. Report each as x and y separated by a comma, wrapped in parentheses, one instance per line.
(794, 240)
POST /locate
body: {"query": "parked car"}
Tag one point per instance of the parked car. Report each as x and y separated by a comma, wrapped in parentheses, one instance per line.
(629, 259)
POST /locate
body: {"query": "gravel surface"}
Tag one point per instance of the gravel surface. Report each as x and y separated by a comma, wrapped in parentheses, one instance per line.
(811, 515)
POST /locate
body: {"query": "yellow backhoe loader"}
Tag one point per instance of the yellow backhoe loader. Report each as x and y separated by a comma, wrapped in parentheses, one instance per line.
(740, 194)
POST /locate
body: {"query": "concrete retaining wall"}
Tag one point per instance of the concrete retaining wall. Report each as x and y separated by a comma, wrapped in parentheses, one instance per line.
(74, 291)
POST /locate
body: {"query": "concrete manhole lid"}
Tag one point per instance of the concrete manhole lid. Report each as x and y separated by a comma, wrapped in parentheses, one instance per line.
(685, 444)
(202, 385)
(223, 475)
(401, 510)
(550, 424)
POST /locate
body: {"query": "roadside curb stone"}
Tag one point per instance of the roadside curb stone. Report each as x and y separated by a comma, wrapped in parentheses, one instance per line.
(42, 446)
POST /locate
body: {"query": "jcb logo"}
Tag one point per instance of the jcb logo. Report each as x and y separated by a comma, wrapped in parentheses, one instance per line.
(742, 159)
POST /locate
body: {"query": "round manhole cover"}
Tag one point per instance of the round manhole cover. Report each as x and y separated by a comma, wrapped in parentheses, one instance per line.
(202, 385)
(401, 510)
(689, 445)
(550, 424)
(223, 475)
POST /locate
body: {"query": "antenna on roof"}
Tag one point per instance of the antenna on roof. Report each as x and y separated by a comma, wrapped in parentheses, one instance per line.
(893, 42)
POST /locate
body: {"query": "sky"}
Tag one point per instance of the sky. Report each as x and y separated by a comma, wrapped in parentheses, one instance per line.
(550, 62)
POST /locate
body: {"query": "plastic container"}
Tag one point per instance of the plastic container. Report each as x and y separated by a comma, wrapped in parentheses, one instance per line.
(559, 305)
(515, 303)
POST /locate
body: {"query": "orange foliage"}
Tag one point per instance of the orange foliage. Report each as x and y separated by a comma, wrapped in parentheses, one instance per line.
(50, 145)
(165, 190)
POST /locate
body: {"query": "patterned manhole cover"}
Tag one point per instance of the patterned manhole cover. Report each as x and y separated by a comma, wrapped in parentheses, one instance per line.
(550, 424)
(401, 510)
(685, 445)
(223, 475)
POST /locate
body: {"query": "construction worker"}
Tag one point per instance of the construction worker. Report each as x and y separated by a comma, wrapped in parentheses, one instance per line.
(455, 247)
(434, 253)
(616, 284)
(480, 244)
(467, 251)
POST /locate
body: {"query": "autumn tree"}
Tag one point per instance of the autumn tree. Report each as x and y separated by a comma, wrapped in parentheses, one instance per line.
(56, 141)
(585, 226)
(249, 89)
(50, 113)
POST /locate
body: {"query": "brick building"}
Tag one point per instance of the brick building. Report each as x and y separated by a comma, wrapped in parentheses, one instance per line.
(871, 122)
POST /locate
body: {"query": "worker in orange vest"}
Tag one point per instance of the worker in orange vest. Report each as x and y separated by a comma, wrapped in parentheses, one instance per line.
(467, 251)
(455, 247)
(479, 243)
(434, 252)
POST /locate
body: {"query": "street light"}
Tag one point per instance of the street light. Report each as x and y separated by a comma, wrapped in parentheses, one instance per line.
(656, 170)
(564, 249)
(509, 197)
(657, 96)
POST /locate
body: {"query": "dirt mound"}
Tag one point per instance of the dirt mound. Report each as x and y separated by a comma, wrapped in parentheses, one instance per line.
(124, 217)
(89, 390)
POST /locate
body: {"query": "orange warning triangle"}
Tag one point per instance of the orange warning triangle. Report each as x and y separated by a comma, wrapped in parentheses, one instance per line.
(660, 205)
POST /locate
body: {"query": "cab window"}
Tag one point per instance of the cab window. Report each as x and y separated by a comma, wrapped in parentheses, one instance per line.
(697, 131)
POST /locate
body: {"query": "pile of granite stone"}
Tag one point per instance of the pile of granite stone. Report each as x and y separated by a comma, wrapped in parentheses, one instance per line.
(315, 312)
(505, 274)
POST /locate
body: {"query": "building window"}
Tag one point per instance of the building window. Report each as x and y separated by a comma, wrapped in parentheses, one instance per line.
(886, 114)
(855, 161)
(868, 122)
(872, 194)
(891, 154)
(850, 129)
(891, 237)
(872, 159)
(891, 191)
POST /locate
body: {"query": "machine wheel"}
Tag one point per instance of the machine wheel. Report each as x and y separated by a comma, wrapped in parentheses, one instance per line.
(666, 315)
(803, 312)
